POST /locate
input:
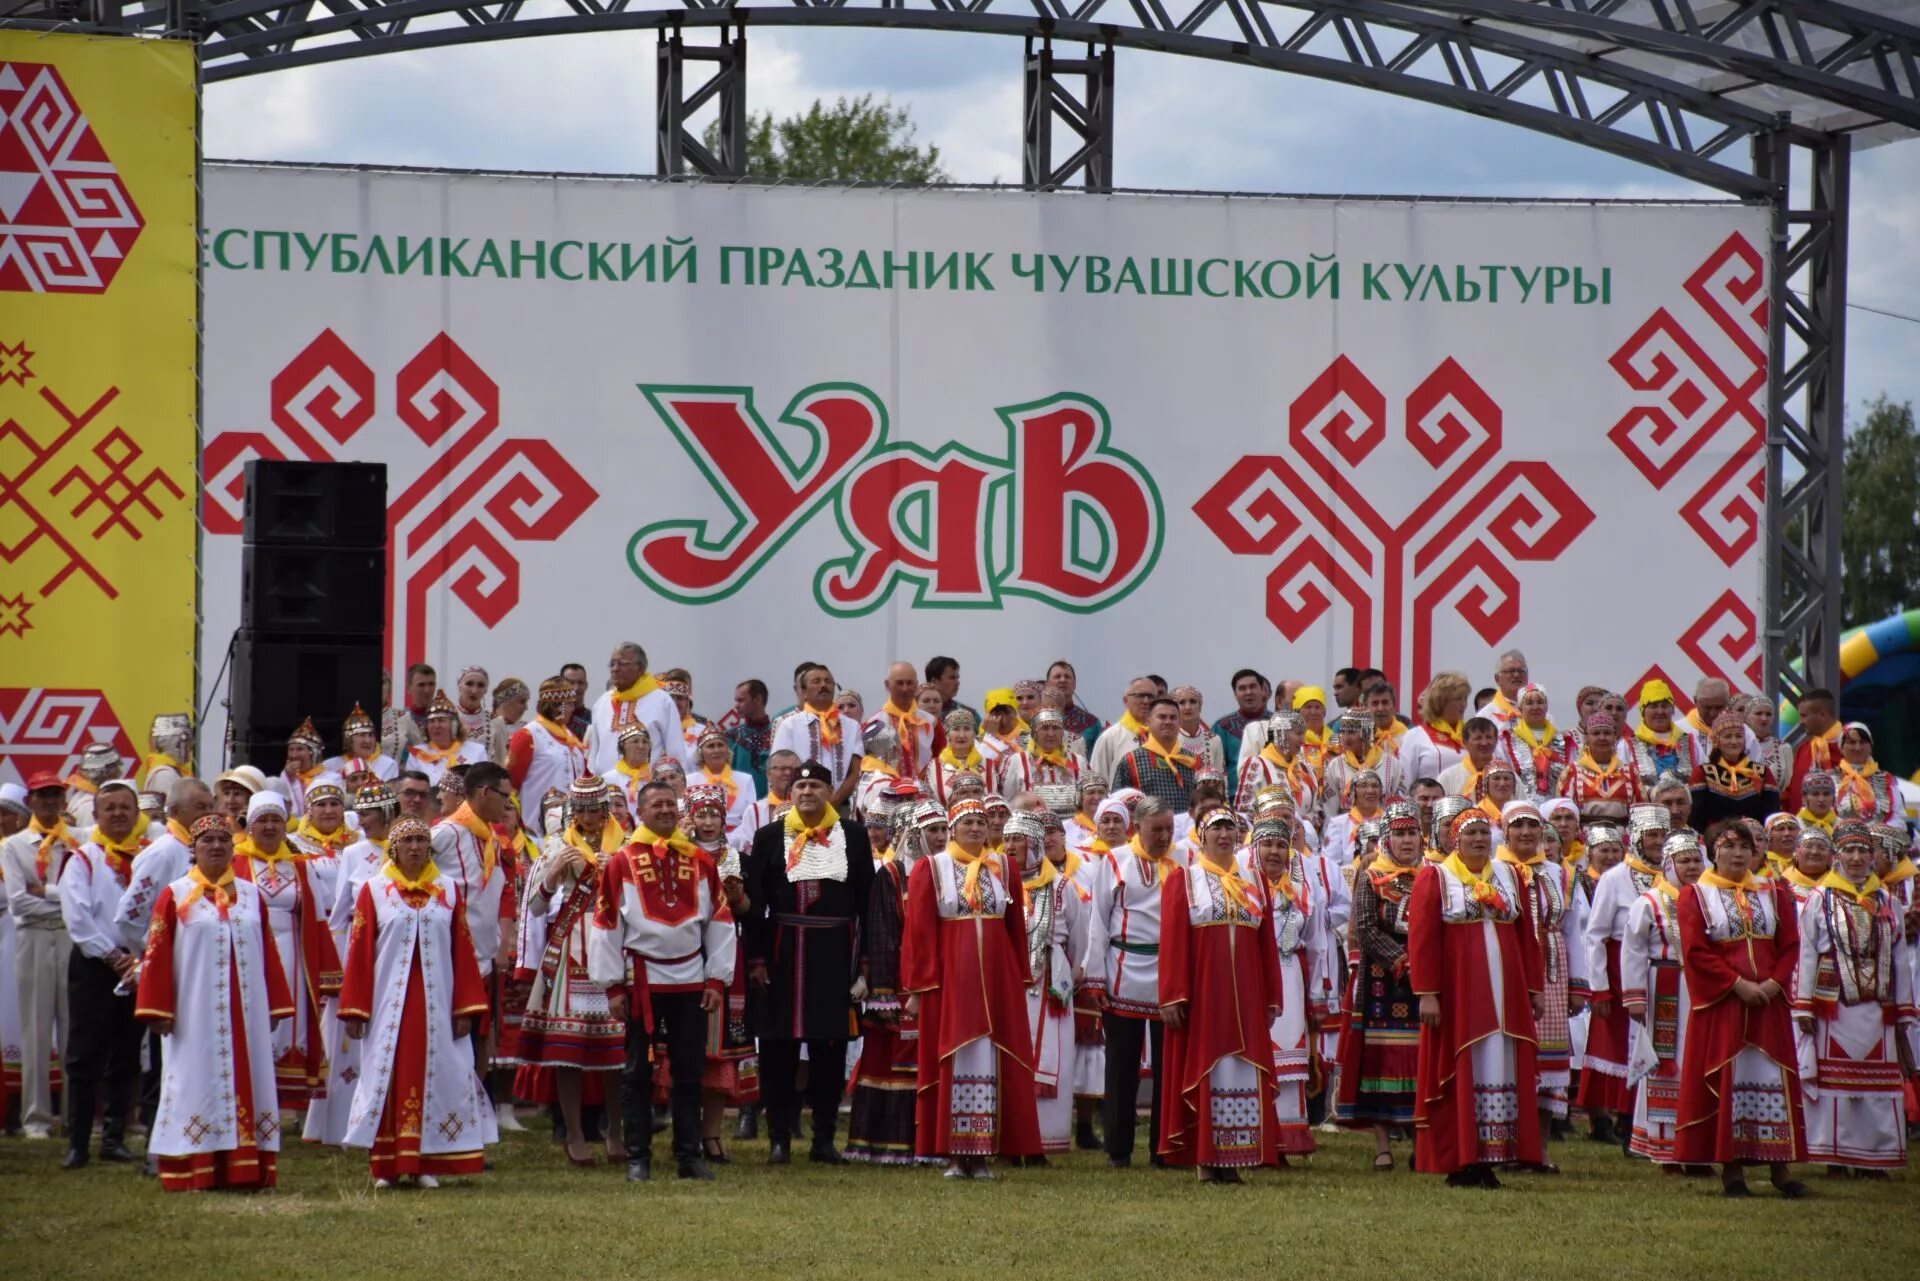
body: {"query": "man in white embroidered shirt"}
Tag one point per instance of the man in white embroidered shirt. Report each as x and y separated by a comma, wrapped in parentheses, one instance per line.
(662, 945)
(102, 1045)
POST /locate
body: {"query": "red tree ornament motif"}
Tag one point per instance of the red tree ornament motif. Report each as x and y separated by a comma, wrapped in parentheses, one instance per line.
(1394, 578)
(453, 517)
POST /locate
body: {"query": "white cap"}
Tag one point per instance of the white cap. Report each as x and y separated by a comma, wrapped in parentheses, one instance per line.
(13, 797)
(265, 801)
(247, 776)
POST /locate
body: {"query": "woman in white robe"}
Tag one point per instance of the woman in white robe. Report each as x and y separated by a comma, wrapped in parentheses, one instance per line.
(297, 889)
(212, 987)
(1653, 987)
(411, 993)
(1854, 1004)
(360, 862)
(1297, 914)
(1056, 912)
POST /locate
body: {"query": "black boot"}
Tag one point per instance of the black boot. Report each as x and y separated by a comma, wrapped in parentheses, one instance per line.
(1084, 1137)
(79, 1103)
(748, 1126)
(694, 1167)
(640, 1167)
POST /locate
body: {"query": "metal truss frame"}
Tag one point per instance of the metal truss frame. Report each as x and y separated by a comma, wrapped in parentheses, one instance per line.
(1087, 114)
(675, 148)
(1806, 404)
(1691, 87)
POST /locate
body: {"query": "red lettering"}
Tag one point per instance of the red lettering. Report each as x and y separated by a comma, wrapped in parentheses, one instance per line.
(1087, 520)
(914, 516)
(769, 494)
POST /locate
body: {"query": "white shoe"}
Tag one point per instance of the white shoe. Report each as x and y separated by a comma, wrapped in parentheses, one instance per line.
(427, 1181)
(954, 1172)
(381, 1185)
(507, 1119)
(37, 1132)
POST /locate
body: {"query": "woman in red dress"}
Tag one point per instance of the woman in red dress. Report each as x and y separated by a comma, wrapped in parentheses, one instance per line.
(1219, 995)
(1476, 970)
(963, 963)
(1739, 1084)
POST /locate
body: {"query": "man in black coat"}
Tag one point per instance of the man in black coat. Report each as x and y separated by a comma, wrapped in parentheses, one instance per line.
(808, 876)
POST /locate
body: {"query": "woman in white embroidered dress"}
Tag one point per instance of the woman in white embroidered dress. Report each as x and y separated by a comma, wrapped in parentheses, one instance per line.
(1056, 931)
(1653, 989)
(568, 1029)
(1297, 914)
(412, 992)
(1853, 1001)
(212, 987)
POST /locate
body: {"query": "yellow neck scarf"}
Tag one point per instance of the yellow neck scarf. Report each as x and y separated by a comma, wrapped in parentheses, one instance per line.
(220, 891)
(611, 839)
(799, 834)
(971, 765)
(970, 892)
(1232, 884)
(1056, 758)
(1741, 888)
(155, 760)
(1372, 758)
(1824, 822)
(724, 779)
(179, 833)
(636, 691)
(333, 842)
(558, 730)
(1652, 739)
(1861, 894)
(482, 832)
(1903, 870)
(1164, 865)
(423, 885)
(1535, 739)
(428, 754)
(1046, 875)
(1167, 756)
(829, 725)
(676, 840)
(1506, 855)
(281, 853)
(1132, 726)
(1480, 884)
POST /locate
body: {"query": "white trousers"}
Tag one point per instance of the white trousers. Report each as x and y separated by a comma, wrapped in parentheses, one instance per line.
(40, 977)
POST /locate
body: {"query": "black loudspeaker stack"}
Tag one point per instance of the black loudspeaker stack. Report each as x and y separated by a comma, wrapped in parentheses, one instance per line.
(313, 594)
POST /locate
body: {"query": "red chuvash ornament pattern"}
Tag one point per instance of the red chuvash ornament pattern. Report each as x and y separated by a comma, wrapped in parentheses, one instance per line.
(1330, 543)
(48, 729)
(74, 484)
(67, 221)
(1685, 400)
(454, 518)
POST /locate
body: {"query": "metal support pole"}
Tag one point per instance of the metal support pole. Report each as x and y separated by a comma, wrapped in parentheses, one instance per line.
(1806, 405)
(676, 149)
(1088, 114)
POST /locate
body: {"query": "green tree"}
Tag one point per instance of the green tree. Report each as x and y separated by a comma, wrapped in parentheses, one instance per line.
(852, 141)
(1880, 521)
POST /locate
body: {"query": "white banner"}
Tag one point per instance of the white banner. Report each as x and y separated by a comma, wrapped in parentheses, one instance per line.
(752, 426)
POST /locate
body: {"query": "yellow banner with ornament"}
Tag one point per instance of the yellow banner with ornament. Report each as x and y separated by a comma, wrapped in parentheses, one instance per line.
(98, 321)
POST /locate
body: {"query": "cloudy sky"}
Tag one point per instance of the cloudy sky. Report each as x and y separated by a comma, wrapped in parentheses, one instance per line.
(585, 103)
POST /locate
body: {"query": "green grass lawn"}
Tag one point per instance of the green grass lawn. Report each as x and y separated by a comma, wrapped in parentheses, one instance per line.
(534, 1216)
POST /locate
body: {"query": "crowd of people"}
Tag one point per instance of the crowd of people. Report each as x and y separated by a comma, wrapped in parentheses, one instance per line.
(984, 936)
